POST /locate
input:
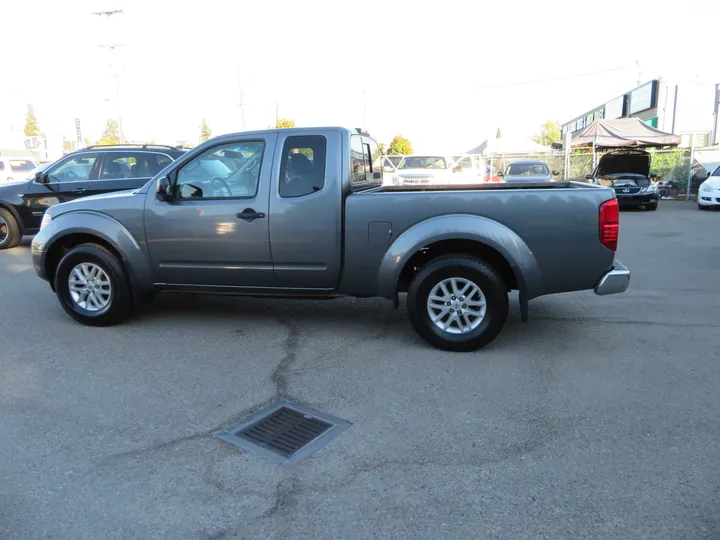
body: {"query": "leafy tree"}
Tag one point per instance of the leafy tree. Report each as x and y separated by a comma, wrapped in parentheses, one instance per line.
(400, 145)
(205, 131)
(31, 124)
(111, 135)
(498, 135)
(549, 133)
(381, 147)
(284, 123)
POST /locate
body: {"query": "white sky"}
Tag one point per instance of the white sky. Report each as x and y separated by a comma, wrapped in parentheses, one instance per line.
(427, 69)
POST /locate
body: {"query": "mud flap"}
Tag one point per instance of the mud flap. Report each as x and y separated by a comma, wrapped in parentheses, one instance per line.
(524, 307)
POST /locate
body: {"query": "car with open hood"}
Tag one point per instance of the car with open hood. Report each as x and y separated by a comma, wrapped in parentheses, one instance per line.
(628, 173)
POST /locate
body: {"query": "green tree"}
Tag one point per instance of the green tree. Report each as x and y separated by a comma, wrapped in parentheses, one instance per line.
(400, 145)
(549, 133)
(111, 135)
(284, 123)
(381, 147)
(498, 135)
(205, 131)
(31, 124)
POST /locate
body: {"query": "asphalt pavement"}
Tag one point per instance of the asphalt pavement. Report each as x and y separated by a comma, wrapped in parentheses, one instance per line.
(598, 418)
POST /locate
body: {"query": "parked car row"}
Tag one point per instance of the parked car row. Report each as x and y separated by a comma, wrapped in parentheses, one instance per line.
(303, 213)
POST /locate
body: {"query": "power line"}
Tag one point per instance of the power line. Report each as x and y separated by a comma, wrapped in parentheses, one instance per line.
(564, 77)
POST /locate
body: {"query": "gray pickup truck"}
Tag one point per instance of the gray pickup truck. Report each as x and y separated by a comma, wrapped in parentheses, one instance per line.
(302, 213)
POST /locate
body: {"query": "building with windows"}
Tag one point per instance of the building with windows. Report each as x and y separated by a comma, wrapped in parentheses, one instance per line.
(686, 109)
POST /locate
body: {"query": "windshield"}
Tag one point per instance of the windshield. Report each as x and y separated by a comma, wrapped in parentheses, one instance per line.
(528, 169)
(423, 162)
(623, 180)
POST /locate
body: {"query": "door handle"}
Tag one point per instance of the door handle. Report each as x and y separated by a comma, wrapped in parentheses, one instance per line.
(250, 214)
(79, 190)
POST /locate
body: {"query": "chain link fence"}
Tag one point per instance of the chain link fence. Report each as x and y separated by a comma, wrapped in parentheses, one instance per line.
(672, 167)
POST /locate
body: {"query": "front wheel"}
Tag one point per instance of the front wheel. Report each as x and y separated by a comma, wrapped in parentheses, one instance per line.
(92, 286)
(652, 206)
(457, 303)
(10, 234)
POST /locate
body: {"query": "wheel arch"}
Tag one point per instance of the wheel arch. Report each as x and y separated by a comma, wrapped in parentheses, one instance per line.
(78, 228)
(462, 234)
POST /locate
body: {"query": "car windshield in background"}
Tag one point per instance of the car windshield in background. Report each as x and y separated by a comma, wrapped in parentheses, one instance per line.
(20, 165)
(423, 162)
(626, 180)
(524, 169)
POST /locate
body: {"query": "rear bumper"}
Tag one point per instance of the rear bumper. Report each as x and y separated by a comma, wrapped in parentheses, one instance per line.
(615, 281)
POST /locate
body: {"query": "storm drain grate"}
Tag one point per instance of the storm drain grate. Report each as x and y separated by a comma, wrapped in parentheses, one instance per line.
(285, 432)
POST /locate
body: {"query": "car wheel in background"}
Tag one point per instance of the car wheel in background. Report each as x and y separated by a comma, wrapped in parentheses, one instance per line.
(457, 303)
(701, 207)
(10, 234)
(92, 286)
(652, 206)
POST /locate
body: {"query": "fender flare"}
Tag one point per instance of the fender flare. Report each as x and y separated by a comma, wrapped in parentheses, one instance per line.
(114, 233)
(460, 227)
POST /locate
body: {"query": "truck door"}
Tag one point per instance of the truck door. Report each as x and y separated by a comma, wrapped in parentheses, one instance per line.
(306, 210)
(215, 232)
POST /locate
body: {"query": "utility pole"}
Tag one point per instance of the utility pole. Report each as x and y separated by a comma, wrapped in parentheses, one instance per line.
(113, 47)
(241, 102)
(365, 126)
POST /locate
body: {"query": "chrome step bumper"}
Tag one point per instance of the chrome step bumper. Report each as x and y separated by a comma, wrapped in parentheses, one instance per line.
(615, 281)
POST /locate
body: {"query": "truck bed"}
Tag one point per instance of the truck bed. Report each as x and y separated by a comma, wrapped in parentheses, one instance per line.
(558, 221)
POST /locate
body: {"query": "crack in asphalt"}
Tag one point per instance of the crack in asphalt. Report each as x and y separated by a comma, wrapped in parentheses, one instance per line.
(279, 376)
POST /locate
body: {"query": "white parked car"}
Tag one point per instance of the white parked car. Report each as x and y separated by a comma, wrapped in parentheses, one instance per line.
(436, 170)
(709, 192)
(15, 169)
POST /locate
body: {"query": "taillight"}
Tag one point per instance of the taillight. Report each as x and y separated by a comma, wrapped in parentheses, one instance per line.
(609, 224)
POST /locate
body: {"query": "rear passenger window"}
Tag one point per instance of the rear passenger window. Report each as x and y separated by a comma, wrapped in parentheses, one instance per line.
(302, 169)
(357, 160)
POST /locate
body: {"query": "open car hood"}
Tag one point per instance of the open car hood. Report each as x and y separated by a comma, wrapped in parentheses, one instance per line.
(624, 161)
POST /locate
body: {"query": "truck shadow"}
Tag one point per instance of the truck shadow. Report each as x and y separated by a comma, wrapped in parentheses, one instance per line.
(350, 317)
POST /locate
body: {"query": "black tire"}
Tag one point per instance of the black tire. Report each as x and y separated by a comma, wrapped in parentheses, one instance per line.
(458, 266)
(651, 207)
(120, 304)
(10, 233)
(701, 207)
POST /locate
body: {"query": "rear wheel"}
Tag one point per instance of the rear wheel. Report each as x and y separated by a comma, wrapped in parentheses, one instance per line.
(457, 303)
(652, 206)
(10, 234)
(92, 286)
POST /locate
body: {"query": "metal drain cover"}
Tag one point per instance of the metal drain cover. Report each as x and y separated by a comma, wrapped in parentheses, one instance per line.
(285, 432)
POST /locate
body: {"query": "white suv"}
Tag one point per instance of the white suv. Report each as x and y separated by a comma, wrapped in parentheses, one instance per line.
(15, 169)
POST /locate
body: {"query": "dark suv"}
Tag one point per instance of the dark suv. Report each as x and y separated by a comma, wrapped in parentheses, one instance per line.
(90, 171)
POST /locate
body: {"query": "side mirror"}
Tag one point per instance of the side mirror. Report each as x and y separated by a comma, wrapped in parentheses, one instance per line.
(164, 189)
(388, 169)
(41, 178)
(500, 174)
(588, 177)
(555, 173)
(377, 175)
(653, 176)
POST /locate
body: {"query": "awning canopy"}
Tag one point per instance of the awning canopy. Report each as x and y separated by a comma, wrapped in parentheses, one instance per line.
(623, 133)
